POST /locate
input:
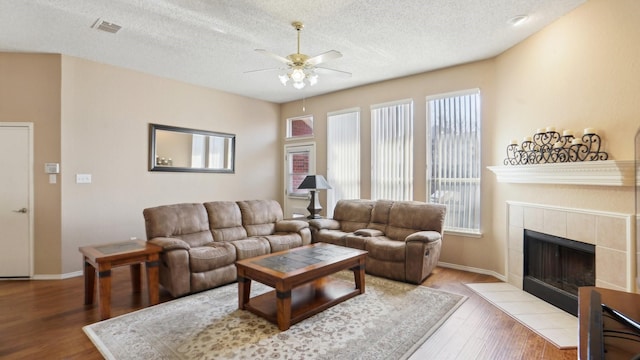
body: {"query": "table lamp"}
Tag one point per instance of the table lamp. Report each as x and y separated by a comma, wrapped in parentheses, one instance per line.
(314, 183)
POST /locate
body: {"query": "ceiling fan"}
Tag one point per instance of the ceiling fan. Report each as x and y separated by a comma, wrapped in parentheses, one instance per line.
(302, 69)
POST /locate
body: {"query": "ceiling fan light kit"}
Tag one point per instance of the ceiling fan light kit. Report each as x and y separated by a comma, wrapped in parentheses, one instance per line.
(301, 68)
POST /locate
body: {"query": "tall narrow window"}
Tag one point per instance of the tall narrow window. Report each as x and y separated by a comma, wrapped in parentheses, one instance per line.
(298, 169)
(343, 156)
(392, 150)
(453, 155)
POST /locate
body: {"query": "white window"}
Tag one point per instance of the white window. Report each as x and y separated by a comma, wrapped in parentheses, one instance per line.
(300, 127)
(343, 156)
(392, 150)
(298, 163)
(300, 160)
(453, 158)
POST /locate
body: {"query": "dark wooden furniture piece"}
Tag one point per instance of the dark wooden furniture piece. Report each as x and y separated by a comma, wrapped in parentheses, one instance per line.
(301, 282)
(620, 341)
(104, 257)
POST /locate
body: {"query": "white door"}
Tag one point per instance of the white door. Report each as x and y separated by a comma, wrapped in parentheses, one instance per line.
(15, 191)
(300, 161)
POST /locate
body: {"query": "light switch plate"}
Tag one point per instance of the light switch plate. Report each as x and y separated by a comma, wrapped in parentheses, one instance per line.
(83, 178)
(52, 168)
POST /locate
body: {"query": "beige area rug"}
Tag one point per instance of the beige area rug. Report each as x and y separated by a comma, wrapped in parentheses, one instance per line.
(554, 324)
(389, 321)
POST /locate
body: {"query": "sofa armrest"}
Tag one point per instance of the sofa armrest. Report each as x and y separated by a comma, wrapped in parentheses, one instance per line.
(369, 232)
(291, 226)
(424, 236)
(328, 224)
(170, 243)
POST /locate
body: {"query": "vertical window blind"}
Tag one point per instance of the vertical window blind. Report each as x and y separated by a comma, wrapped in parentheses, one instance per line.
(392, 151)
(453, 155)
(343, 156)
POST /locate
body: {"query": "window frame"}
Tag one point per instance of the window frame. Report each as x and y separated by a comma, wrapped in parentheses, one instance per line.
(289, 128)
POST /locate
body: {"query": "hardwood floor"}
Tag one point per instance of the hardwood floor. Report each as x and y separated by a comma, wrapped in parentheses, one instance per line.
(44, 319)
(479, 330)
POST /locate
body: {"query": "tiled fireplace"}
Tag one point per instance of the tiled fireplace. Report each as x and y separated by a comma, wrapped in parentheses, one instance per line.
(611, 233)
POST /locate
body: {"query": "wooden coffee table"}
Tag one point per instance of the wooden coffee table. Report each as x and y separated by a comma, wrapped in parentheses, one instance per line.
(106, 256)
(301, 282)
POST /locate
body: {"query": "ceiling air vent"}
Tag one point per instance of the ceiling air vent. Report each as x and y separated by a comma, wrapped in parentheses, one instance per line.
(106, 26)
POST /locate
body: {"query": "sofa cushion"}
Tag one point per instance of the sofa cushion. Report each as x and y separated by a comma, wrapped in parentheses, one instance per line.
(335, 237)
(259, 216)
(292, 226)
(408, 217)
(380, 215)
(188, 222)
(213, 256)
(353, 214)
(385, 249)
(225, 220)
(279, 242)
(356, 241)
(250, 247)
(330, 224)
(368, 232)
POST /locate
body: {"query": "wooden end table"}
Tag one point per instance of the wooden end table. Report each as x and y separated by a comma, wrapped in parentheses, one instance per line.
(106, 256)
(301, 282)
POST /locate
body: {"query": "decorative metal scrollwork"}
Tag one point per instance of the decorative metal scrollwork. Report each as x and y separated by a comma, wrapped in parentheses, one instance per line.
(552, 147)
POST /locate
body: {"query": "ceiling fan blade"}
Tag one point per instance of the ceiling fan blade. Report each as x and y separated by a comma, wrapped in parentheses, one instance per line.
(275, 56)
(324, 57)
(260, 70)
(333, 71)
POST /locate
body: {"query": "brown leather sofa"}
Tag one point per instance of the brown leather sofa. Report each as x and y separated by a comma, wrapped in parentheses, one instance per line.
(403, 238)
(202, 242)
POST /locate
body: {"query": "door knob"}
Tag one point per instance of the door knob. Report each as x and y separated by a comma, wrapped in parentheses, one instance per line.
(23, 210)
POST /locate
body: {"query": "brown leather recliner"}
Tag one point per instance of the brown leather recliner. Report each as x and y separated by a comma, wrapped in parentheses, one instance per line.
(403, 238)
(201, 242)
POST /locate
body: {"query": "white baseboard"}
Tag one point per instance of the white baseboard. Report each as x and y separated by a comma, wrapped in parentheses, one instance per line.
(473, 270)
(57, 276)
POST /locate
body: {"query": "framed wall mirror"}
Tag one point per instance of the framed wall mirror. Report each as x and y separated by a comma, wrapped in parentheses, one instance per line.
(180, 149)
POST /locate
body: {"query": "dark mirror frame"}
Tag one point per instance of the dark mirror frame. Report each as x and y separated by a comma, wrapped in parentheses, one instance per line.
(154, 166)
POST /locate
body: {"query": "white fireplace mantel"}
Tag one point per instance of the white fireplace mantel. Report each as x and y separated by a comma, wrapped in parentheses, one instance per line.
(603, 173)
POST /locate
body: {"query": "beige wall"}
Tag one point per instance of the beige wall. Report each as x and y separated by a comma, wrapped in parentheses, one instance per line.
(30, 92)
(581, 71)
(93, 119)
(105, 116)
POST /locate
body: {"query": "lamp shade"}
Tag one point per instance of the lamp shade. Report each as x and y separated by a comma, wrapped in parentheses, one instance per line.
(314, 182)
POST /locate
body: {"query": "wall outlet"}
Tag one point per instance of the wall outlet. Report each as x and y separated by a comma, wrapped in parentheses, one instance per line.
(83, 178)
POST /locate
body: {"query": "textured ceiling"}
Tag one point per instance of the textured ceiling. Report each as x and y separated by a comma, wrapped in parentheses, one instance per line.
(211, 43)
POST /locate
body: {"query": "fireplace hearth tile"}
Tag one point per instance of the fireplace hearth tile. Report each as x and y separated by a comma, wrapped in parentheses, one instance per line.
(548, 320)
(558, 327)
(528, 307)
(562, 338)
